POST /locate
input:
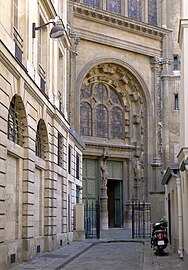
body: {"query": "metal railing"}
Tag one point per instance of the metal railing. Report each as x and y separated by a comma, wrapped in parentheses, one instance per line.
(92, 220)
(141, 219)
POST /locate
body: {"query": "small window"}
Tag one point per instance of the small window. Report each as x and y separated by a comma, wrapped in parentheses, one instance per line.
(77, 194)
(69, 160)
(60, 150)
(77, 166)
(176, 62)
(15, 13)
(38, 146)
(176, 102)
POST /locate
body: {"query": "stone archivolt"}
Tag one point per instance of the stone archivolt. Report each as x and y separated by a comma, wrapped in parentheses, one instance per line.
(113, 107)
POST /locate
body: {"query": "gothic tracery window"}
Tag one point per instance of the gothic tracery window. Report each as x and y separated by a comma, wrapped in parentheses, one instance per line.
(101, 112)
(116, 123)
(135, 9)
(93, 3)
(101, 128)
(152, 12)
(85, 119)
(114, 6)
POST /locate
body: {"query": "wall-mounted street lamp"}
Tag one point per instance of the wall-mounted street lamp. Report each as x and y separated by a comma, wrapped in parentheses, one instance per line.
(184, 165)
(57, 31)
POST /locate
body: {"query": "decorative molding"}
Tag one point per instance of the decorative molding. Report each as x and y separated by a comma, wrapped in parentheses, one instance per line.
(123, 44)
(102, 16)
(156, 67)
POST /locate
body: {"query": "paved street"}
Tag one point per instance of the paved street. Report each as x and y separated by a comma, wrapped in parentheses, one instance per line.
(116, 250)
(110, 256)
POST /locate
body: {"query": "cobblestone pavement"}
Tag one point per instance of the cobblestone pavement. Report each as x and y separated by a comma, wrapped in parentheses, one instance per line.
(110, 256)
(115, 251)
(168, 261)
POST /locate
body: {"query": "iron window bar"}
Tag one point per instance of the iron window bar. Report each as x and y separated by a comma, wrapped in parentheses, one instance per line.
(15, 129)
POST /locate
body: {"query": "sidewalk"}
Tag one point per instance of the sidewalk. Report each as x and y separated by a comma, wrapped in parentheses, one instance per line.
(55, 260)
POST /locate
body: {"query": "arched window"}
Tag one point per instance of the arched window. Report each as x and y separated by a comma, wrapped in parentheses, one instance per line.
(116, 123)
(38, 150)
(15, 124)
(101, 127)
(85, 119)
(41, 140)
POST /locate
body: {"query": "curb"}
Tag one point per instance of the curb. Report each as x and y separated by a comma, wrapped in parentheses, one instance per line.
(75, 256)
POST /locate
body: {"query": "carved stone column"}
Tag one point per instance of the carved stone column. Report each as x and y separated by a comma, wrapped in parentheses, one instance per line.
(104, 196)
(156, 69)
(74, 99)
(157, 123)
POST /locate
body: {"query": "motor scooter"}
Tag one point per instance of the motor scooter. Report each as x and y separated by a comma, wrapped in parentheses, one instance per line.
(159, 237)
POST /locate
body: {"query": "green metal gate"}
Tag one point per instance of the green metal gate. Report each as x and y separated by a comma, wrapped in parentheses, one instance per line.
(92, 220)
(141, 219)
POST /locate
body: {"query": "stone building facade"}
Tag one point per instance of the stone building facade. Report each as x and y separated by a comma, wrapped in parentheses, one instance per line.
(125, 100)
(175, 178)
(98, 105)
(41, 154)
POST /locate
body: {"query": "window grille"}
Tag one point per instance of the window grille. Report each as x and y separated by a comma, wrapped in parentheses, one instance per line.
(40, 143)
(38, 148)
(15, 127)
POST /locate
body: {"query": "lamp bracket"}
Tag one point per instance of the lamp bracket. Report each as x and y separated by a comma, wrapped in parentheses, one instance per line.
(34, 28)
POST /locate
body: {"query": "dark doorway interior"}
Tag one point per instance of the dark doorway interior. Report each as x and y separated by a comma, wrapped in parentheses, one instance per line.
(114, 192)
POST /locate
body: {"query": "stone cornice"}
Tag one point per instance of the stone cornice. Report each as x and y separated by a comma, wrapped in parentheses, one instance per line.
(183, 24)
(109, 145)
(123, 44)
(102, 16)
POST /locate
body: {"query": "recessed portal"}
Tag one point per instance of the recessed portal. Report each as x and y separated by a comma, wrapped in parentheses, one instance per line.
(115, 209)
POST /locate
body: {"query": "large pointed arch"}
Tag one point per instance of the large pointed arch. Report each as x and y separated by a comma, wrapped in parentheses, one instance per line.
(129, 109)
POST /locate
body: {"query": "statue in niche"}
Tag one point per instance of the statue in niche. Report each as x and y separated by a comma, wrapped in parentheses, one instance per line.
(104, 175)
(137, 169)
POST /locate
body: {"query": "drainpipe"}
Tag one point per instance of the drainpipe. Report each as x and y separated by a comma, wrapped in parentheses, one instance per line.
(180, 215)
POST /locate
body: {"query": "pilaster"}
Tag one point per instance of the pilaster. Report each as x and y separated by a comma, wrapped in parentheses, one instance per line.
(157, 111)
(28, 207)
(74, 97)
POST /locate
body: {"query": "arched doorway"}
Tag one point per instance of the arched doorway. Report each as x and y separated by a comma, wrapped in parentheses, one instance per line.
(113, 124)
